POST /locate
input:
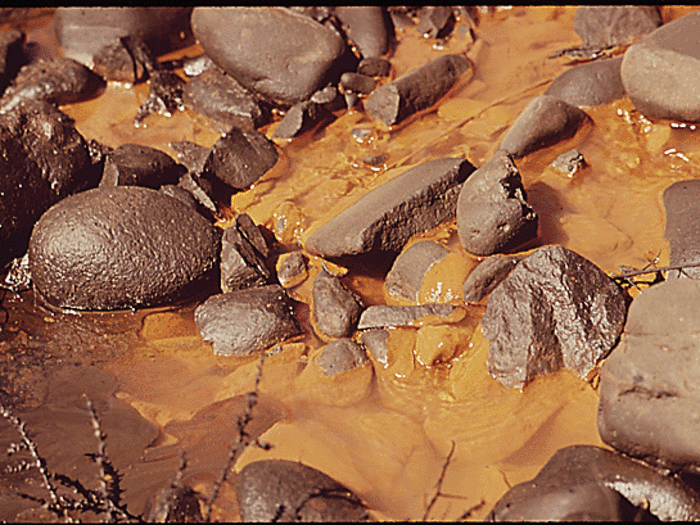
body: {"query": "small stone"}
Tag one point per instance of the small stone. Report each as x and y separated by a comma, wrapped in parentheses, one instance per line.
(366, 27)
(682, 206)
(361, 134)
(376, 342)
(485, 277)
(201, 190)
(11, 55)
(435, 21)
(591, 84)
(374, 67)
(336, 309)
(242, 266)
(291, 269)
(407, 273)
(569, 162)
(604, 26)
(181, 194)
(386, 316)
(298, 119)
(351, 100)
(248, 229)
(135, 165)
(357, 83)
(191, 155)
(164, 96)
(376, 160)
(195, 66)
(328, 98)
(115, 62)
(341, 356)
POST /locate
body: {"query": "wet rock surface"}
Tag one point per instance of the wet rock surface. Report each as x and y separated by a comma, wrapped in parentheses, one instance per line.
(336, 309)
(485, 277)
(366, 27)
(385, 316)
(589, 84)
(278, 490)
(587, 483)
(135, 165)
(120, 247)
(243, 251)
(11, 55)
(301, 117)
(682, 222)
(604, 26)
(387, 216)
(435, 21)
(556, 309)
(376, 342)
(247, 321)
(374, 67)
(341, 356)
(407, 273)
(115, 62)
(569, 162)
(291, 269)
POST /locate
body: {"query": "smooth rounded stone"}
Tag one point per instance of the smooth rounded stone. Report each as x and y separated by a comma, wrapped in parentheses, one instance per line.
(650, 387)
(119, 247)
(661, 72)
(569, 162)
(279, 490)
(374, 67)
(299, 118)
(366, 27)
(247, 321)
(417, 90)
(336, 309)
(485, 277)
(591, 84)
(357, 83)
(435, 21)
(682, 207)
(386, 316)
(135, 165)
(195, 66)
(407, 273)
(492, 210)
(11, 55)
(386, 217)
(555, 310)
(340, 356)
(275, 53)
(604, 26)
(376, 342)
(588, 483)
(220, 97)
(291, 269)
(545, 121)
(57, 80)
(240, 158)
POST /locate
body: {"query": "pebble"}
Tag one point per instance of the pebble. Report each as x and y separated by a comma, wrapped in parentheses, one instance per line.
(590, 84)
(292, 269)
(485, 277)
(406, 275)
(604, 26)
(195, 66)
(242, 260)
(135, 165)
(682, 206)
(374, 67)
(435, 21)
(376, 342)
(357, 83)
(341, 356)
(366, 27)
(299, 118)
(387, 316)
(11, 55)
(569, 162)
(115, 62)
(336, 309)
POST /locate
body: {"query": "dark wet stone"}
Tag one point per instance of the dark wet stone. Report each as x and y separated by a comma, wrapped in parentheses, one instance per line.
(555, 310)
(386, 217)
(569, 162)
(250, 231)
(416, 90)
(191, 155)
(164, 96)
(135, 165)
(435, 21)
(240, 158)
(201, 190)
(263, 317)
(298, 119)
(242, 262)
(340, 356)
(384, 316)
(407, 273)
(195, 66)
(279, 490)
(375, 160)
(374, 67)
(604, 26)
(11, 55)
(589, 84)
(649, 397)
(302, 57)
(119, 247)
(544, 122)
(376, 342)
(587, 483)
(485, 277)
(357, 83)
(181, 194)
(661, 72)
(366, 27)
(58, 80)
(336, 309)
(492, 211)
(682, 206)
(114, 62)
(291, 269)
(220, 97)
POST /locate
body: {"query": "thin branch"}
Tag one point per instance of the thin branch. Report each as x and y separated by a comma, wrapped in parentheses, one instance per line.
(438, 486)
(634, 273)
(471, 510)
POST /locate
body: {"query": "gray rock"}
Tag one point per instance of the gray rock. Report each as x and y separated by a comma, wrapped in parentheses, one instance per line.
(386, 217)
(587, 483)
(242, 265)
(335, 309)
(116, 62)
(544, 122)
(407, 273)
(357, 83)
(247, 321)
(299, 118)
(485, 277)
(135, 165)
(590, 84)
(650, 389)
(604, 26)
(682, 206)
(569, 162)
(279, 490)
(366, 27)
(291, 269)
(385, 316)
(374, 67)
(492, 211)
(340, 356)
(376, 342)
(191, 155)
(556, 309)
(435, 21)
(119, 247)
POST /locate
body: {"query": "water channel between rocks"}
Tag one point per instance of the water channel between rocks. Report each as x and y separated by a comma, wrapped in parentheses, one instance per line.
(384, 433)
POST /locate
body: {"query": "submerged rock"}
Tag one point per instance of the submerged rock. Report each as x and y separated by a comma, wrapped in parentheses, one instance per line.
(340, 356)
(336, 309)
(407, 273)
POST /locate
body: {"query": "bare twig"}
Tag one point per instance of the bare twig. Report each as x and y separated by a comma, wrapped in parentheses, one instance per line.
(168, 496)
(634, 273)
(438, 486)
(471, 510)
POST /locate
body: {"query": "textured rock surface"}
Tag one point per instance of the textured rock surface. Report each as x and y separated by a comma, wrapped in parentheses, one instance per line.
(367, 28)
(340, 356)
(291, 269)
(376, 342)
(556, 309)
(682, 206)
(407, 273)
(591, 84)
(603, 26)
(135, 165)
(384, 316)
(336, 309)
(242, 264)
(299, 118)
(485, 277)
(11, 55)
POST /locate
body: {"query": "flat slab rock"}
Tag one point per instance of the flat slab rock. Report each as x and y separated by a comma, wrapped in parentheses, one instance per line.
(590, 84)
(556, 309)
(385, 316)
(386, 217)
(682, 206)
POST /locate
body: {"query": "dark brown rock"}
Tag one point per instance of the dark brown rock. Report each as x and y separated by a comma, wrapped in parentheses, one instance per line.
(164, 96)
(386, 217)
(115, 62)
(376, 342)
(341, 356)
(591, 84)
(191, 155)
(357, 83)
(374, 67)
(291, 269)
(336, 309)
(604, 26)
(366, 26)
(247, 321)
(435, 21)
(485, 277)
(384, 316)
(407, 273)
(556, 309)
(682, 206)
(299, 118)
(181, 194)
(11, 55)
(243, 251)
(201, 190)
(135, 165)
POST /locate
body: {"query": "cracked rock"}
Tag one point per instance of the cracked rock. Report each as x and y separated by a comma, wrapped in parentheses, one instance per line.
(243, 251)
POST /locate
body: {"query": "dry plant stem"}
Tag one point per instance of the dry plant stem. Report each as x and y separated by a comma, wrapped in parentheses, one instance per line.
(440, 480)
(471, 510)
(634, 273)
(165, 502)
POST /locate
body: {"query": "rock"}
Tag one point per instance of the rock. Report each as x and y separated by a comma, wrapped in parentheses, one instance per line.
(291, 269)
(407, 273)
(11, 55)
(357, 83)
(277, 54)
(556, 309)
(383, 316)
(164, 96)
(416, 90)
(661, 72)
(682, 221)
(587, 483)
(134, 165)
(401, 16)
(376, 342)
(649, 400)
(320, 13)
(335, 308)
(181, 194)
(569, 162)
(435, 21)
(492, 211)
(374, 67)
(115, 62)
(386, 217)
(298, 119)
(279, 490)
(544, 122)
(195, 66)
(119, 247)
(485, 277)
(58, 80)
(341, 356)
(242, 263)
(605, 26)
(191, 155)
(590, 84)
(201, 190)
(375, 160)
(366, 27)
(247, 321)
(248, 229)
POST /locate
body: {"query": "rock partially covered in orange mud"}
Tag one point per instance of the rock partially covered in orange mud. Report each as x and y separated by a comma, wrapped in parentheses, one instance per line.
(407, 273)
(340, 356)
(336, 309)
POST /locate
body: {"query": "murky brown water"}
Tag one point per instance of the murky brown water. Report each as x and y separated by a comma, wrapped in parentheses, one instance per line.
(383, 431)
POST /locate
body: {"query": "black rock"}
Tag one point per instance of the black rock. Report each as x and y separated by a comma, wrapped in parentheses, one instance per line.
(587, 483)
(374, 67)
(336, 309)
(407, 273)
(135, 165)
(195, 66)
(291, 269)
(556, 309)
(278, 490)
(366, 27)
(300, 118)
(247, 321)
(243, 251)
(485, 277)
(11, 55)
(376, 342)
(435, 21)
(416, 90)
(589, 84)
(357, 83)
(544, 122)
(569, 162)
(385, 316)
(386, 217)
(119, 247)
(201, 190)
(649, 396)
(164, 96)
(115, 62)
(682, 206)
(492, 211)
(604, 26)
(340, 356)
